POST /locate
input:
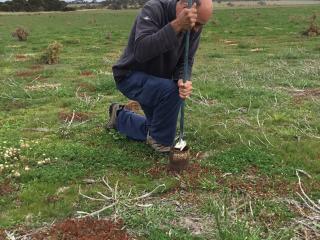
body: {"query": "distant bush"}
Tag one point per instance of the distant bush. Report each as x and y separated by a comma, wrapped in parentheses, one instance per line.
(20, 34)
(33, 5)
(52, 53)
(69, 9)
(123, 4)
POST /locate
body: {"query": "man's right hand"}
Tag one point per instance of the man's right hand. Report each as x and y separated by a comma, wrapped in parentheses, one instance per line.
(186, 20)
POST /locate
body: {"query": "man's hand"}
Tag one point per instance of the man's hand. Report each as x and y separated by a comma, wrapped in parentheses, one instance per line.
(185, 89)
(186, 20)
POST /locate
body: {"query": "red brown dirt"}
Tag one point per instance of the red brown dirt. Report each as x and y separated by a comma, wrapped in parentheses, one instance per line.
(82, 229)
(87, 87)
(2, 234)
(251, 182)
(36, 67)
(17, 104)
(21, 57)
(6, 188)
(300, 96)
(87, 74)
(78, 116)
(26, 73)
(258, 186)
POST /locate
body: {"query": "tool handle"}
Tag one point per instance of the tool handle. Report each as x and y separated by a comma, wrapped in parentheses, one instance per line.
(186, 75)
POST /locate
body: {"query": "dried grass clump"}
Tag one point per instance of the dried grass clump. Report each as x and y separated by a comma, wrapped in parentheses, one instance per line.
(313, 29)
(21, 34)
(52, 53)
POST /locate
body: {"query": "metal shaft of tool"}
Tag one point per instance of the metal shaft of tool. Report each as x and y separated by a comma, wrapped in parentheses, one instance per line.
(185, 75)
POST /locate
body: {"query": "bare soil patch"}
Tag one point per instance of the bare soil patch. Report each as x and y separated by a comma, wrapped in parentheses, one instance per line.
(305, 94)
(250, 183)
(87, 87)
(258, 186)
(15, 104)
(6, 188)
(21, 58)
(36, 67)
(78, 116)
(79, 229)
(2, 234)
(87, 74)
(26, 73)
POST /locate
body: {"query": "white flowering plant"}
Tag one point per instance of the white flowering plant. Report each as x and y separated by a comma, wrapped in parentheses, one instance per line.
(15, 158)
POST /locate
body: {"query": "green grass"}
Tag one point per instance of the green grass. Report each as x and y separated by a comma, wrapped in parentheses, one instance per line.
(243, 115)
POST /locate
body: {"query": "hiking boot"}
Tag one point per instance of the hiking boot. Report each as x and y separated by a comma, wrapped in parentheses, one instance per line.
(113, 113)
(157, 146)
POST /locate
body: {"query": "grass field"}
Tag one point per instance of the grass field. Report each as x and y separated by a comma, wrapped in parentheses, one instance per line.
(252, 121)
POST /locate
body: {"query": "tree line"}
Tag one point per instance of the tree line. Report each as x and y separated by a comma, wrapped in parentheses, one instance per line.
(33, 5)
(57, 5)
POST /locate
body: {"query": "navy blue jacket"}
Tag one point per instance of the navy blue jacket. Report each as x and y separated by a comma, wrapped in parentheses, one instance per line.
(154, 47)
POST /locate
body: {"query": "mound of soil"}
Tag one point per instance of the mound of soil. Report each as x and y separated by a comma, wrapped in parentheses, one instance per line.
(78, 116)
(191, 175)
(87, 74)
(251, 182)
(6, 188)
(36, 67)
(80, 229)
(21, 57)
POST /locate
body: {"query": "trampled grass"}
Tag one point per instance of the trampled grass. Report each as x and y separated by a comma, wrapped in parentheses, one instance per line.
(252, 121)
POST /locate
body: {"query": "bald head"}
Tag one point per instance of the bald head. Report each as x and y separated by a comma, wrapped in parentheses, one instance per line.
(204, 8)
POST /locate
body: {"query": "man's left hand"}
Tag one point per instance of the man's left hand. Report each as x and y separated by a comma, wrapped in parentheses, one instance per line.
(185, 89)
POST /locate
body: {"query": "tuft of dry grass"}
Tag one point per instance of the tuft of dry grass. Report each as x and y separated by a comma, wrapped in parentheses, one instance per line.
(21, 34)
(52, 53)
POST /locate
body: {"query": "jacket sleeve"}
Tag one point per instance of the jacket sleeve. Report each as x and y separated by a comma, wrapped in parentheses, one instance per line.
(194, 43)
(151, 38)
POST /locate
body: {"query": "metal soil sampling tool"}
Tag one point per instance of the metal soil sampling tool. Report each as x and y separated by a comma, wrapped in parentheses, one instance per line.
(180, 153)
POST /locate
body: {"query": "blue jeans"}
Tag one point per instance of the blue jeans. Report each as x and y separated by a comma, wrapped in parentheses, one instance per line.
(160, 101)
